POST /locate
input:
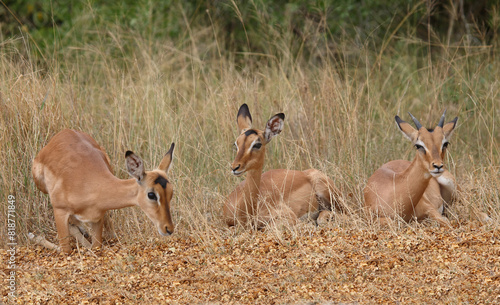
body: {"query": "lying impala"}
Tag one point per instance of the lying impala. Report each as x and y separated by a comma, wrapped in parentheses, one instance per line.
(416, 189)
(74, 170)
(278, 192)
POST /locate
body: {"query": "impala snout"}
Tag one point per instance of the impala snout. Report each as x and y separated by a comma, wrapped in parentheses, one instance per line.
(437, 169)
(237, 170)
(166, 230)
(161, 218)
(436, 166)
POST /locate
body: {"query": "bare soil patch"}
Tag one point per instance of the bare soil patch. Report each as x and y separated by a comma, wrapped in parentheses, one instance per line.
(416, 264)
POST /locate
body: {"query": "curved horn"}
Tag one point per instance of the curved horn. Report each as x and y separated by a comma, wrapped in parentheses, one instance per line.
(417, 123)
(441, 121)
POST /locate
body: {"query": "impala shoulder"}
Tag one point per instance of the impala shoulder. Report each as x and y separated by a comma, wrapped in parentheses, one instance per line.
(382, 173)
(281, 174)
(275, 173)
(396, 166)
(314, 173)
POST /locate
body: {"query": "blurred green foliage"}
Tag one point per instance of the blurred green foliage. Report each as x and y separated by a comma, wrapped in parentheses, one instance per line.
(248, 26)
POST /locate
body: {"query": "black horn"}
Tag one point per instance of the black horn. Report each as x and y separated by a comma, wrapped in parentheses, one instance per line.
(417, 123)
(441, 121)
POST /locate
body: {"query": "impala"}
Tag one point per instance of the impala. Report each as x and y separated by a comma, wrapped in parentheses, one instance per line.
(278, 192)
(75, 171)
(417, 189)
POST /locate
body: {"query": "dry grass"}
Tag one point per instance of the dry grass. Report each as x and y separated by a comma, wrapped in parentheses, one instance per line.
(339, 119)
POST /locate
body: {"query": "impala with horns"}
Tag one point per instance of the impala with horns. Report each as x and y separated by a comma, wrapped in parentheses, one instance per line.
(75, 171)
(417, 189)
(277, 193)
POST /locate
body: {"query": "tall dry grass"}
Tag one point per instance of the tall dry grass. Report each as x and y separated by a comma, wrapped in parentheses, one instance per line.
(130, 92)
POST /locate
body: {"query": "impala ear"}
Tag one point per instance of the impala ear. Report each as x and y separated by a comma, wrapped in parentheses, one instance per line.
(135, 166)
(274, 126)
(449, 127)
(244, 119)
(166, 162)
(407, 130)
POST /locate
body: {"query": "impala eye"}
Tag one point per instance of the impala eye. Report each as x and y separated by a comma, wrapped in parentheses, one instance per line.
(152, 196)
(420, 147)
(257, 146)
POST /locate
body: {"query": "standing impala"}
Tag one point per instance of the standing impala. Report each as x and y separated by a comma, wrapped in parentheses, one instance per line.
(74, 170)
(279, 192)
(416, 189)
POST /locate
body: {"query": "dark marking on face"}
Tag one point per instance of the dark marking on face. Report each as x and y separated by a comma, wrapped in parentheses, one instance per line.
(249, 132)
(161, 181)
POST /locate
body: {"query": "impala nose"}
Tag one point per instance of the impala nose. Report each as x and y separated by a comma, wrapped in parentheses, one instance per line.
(438, 167)
(168, 232)
(236, 168)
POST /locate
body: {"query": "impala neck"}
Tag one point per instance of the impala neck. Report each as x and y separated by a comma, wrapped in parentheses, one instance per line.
(118, 194)
(416, 179)
(251, 190)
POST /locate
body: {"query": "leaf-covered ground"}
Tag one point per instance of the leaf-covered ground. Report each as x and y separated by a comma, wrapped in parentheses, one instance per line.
(416, 264)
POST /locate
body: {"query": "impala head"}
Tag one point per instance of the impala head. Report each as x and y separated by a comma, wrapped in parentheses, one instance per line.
(430, 144)
(155, 191)
(251, 143)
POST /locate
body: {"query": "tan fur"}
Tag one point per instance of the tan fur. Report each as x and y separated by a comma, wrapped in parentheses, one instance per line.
(278, 193)
(74, 170)
(407, 189)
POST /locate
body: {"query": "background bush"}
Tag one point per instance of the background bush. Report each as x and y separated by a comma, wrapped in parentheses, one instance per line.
(253, 26)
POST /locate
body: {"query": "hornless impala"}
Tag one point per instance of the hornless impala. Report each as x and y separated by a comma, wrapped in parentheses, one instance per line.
(74, 170)
(278, 192)
(416, 189)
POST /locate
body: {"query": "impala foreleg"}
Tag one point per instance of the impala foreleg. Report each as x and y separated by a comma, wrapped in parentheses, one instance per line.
(109, 229)
(62, 225)
(436, 216)
(282, 217)
(379, 215)
(385, 221)
(310, 216)
(483, 217)
(324, 217)
(328, 196)
(96, 228)
(431, 205)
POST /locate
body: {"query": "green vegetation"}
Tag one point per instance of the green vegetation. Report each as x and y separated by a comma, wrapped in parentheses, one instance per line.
(250, 26)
